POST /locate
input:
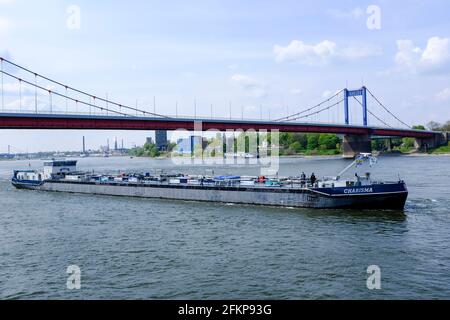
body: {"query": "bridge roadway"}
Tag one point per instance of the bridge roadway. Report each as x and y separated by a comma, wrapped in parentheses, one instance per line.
(105, 122)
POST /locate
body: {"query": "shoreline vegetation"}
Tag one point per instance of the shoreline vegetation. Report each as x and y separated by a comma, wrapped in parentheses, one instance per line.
(435, 153)
(289, 145)
(297, 145)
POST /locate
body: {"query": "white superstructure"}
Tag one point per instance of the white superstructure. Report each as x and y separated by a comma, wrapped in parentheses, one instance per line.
(56, 167)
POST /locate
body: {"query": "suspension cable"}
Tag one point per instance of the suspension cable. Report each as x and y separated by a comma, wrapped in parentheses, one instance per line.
(317, 112)
(387, 110)
(371, 113)
(82, 92)
(59, 94)
(311, 108)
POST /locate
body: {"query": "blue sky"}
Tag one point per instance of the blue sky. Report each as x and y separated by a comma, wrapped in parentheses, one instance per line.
(274, 56)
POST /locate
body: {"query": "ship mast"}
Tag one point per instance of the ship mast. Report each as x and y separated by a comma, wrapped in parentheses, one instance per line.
(361, 158)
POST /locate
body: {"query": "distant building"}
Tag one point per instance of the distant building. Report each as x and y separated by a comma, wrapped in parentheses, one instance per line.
(161, 140)
(188, 145)
(149, 140)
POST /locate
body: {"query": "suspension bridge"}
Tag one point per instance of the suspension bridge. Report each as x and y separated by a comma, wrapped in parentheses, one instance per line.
(30, 100)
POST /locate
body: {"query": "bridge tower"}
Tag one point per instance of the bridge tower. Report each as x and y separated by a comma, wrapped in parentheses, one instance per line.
(355, 144)
(356, 93)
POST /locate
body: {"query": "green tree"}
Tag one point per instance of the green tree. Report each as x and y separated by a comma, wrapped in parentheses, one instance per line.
(446, 126)
(408, 143)
(171, 146)
(313, 141)
(296, 147)
(378, 144)
(328, 141)
(433, 125)
(285, 139)
(148, 150)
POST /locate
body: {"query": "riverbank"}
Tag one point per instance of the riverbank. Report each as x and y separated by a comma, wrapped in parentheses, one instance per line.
(443, 151)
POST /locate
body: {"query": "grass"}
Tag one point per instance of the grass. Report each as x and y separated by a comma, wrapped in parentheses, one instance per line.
(441, 150)
(320, 152)
(316, 152)
(403, 149)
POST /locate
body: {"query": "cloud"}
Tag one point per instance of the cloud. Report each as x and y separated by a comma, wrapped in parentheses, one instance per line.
(251, 86)
(296, 91)
(321, 53)
(443, 95)
(355, 13)
(297, 51)
(412, 59)
(6, 1)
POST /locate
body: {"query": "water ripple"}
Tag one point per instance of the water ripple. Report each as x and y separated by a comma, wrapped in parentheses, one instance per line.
(156, 249)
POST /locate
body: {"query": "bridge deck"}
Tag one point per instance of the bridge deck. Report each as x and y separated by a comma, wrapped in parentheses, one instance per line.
(87, 122)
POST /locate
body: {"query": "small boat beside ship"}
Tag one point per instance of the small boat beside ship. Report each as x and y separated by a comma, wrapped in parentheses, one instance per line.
(335, 192)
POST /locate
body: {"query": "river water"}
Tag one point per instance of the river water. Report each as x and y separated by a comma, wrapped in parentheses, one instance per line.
(159, 249)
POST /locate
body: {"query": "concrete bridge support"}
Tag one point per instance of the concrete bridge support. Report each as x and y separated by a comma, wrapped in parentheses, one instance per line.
(355, 144)
(389, 145)
(424, 144)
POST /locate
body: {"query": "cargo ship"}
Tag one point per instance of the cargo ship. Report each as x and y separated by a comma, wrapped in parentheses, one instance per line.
(299, 191)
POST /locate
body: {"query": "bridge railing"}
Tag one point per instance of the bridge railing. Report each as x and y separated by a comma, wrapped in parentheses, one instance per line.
(141, 116)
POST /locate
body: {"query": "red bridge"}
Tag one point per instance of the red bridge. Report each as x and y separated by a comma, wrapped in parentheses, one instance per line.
(103, 114)
(79, 122)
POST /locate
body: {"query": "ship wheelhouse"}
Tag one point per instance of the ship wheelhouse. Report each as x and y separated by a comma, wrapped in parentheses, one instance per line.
(59, 167)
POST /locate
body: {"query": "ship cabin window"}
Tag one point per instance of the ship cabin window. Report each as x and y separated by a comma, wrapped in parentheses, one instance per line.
(350, 183)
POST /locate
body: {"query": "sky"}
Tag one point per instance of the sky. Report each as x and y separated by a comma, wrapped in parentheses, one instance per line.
(265, 58)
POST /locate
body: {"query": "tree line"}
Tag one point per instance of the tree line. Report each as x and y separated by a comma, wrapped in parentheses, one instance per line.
(296, 143)
(436, 126)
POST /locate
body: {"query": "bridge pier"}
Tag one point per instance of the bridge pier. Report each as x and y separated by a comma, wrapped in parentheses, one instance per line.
(424, 144)
(389, 144)
(353, 145)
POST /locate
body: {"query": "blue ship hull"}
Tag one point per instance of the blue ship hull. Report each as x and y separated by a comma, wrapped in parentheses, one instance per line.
(26, 184)
(378, 196)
